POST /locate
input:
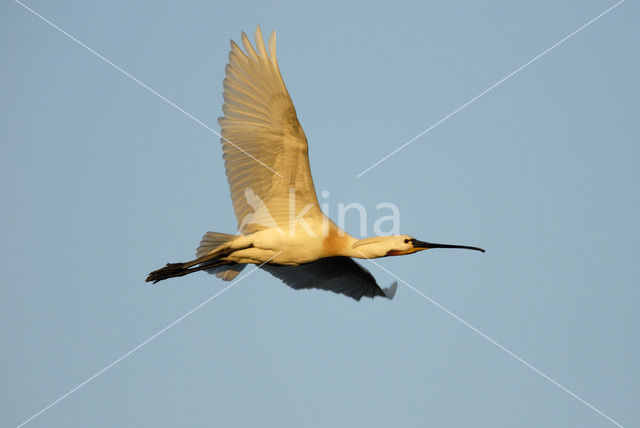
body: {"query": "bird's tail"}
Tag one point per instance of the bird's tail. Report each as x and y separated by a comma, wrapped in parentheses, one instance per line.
(210, 257)
(212, 241)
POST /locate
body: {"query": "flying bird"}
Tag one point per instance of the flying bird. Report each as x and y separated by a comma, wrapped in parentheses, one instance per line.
(281, 226)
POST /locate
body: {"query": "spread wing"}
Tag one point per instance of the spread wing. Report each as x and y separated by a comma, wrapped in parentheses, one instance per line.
(263, 144)
(338, 274)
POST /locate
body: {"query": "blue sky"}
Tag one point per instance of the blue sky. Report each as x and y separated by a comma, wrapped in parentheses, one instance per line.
(103, 181)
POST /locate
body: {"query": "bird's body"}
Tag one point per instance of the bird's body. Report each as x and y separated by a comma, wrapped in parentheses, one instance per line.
(290, 249)
(281, 226)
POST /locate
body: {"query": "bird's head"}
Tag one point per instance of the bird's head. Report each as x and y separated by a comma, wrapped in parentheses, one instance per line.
(398, 245)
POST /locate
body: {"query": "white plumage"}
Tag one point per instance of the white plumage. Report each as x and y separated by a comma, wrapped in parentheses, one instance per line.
(281, 226)
(260, 124)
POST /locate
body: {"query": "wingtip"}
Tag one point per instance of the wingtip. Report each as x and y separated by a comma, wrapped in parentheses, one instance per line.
(391, 290)
(272, 47)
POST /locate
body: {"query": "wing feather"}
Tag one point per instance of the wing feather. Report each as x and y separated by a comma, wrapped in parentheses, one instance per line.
(340, 275)
(264, 146)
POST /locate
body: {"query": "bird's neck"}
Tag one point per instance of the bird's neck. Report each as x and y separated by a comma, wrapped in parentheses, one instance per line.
(339, 243)
(370, 248)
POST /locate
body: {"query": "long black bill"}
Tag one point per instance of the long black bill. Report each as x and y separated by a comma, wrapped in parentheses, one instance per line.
(427, 245)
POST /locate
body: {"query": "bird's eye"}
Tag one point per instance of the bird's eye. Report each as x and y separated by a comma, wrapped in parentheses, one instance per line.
(406, 241)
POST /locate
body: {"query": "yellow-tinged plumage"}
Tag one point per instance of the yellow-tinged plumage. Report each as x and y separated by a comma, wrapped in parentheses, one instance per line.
(280, 224)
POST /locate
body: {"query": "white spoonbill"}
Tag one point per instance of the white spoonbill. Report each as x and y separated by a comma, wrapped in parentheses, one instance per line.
(281, 225)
